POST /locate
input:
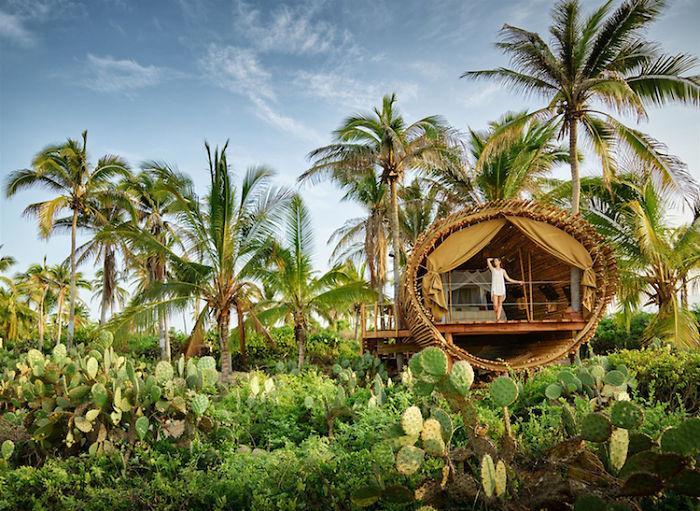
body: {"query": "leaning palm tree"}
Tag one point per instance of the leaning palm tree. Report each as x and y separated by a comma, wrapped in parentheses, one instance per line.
(654, 259)
(224, 236)
(80, 187)
(601, 60)
(37, 283)
(301, 293)
(383, 140)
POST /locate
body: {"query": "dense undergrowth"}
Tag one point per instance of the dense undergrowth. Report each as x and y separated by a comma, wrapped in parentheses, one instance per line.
(325, 437)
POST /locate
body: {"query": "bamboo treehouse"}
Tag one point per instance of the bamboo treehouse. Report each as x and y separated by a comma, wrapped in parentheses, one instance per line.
(569, 277)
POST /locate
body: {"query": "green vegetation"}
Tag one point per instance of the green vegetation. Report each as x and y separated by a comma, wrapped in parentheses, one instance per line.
(264, 400)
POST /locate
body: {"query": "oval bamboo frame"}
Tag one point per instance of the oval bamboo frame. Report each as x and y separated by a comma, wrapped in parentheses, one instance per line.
(419, 320)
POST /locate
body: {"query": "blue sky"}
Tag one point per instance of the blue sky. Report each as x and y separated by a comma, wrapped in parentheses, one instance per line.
(153, 80)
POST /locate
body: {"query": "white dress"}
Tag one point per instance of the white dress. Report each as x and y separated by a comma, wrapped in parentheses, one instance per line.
(498, 282)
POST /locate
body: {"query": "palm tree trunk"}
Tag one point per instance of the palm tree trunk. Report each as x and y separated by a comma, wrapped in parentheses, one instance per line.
(684, 292)
(108, 281)
(241, 336)
(59, 318)
(575, 207)
(41, 320)
(397, 262)
(224, 319)
(71, 317)
(163, 336)
(300, 338)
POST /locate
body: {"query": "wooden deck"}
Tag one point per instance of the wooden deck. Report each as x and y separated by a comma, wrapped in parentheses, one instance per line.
(488, 328)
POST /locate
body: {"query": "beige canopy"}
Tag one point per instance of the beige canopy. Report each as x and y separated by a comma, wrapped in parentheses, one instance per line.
(464, 244)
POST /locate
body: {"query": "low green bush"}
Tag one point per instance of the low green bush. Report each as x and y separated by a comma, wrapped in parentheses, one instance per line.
(613, 334)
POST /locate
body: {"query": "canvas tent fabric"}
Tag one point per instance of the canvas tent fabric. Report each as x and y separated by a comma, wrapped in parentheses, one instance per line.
(464, 244)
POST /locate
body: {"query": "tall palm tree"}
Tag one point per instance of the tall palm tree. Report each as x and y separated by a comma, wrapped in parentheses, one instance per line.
(118, 294)
(421, 206)
(601, 60)
(16, 316)
(225, 236)
(654, 258)
(302, 294)
(383, 140)
(365, 238)
(6, 262)
(60, 278)
(80, 187)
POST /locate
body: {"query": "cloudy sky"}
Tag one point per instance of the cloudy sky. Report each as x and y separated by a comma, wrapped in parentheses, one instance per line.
(153, 80)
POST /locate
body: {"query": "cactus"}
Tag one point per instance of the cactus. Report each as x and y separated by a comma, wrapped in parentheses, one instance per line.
(590, 503)
(412, 421)
(164, 371)
(91, 367)
(619, 442)
(488, 475)
(553, 391)
(445, 421)
(199, 404)
(683, 439)
(627, 415)
(409, 460)
(462, 377)
(500, 479)
(434, 362)
(141, 425)
(615, 378)
(8, 447)
(432, 437)
(504, 391)
(462, 488)
(596, 428)
(568, 419)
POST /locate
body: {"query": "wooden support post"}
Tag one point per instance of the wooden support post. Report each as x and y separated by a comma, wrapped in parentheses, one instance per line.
(449, 338)
(522, 276)
(529, 266)
(449, 296)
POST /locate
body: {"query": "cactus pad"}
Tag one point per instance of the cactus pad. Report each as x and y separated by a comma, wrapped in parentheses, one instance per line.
(627, 415)
(641, 484)
(686, 483)
(199, 404)
(164, 371)
(596, 428)
(445, 422)
(683, 439)
(488, 475)
(412, 421)
(504, 391)
(409, 460)
(501, 479)
(432, 436)
(619, 442)
(568, 419)
(615, 378)
(8, 447)
(462, 377)
(141, 427)
(434, 361)
(553, 391)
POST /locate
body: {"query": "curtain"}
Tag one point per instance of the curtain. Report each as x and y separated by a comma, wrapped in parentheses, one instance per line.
(458, 248)
(562, 246)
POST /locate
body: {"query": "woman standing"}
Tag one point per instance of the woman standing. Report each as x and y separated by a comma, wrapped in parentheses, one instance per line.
(498, 284)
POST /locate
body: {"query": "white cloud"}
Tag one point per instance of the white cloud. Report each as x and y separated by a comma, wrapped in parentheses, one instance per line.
(13, 29)
(290, 30)
(339, 88)
(483, 94)
(107, 74)
(239, 70)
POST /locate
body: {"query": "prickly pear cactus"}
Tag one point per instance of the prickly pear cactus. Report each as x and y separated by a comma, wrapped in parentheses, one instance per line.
(432, 437)
(199, 404)
(462, 377)
(164, 371)
(500, 479)
(504, 391)
(488, 475)
(409, 459)
(595, 427)
(627, 415)
(619, 442)
(412, 421)
(434, 361)
(683, 439)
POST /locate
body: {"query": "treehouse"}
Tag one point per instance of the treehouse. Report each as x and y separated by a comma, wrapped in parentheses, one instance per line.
(569, 277)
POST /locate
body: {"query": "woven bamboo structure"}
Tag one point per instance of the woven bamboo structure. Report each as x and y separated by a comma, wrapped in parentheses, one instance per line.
(423, 327)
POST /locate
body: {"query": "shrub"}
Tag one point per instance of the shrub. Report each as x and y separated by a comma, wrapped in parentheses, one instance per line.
(665, 375)
(612, 333)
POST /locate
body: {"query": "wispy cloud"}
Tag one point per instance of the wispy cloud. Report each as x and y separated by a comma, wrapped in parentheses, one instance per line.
(240, 71)
(111, 75)
(482, 95)
(291, 30)
(12, 29)
(344, 90)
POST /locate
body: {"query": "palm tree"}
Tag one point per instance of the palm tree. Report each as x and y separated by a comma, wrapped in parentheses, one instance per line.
(225, 234)
(155, 210)
(60, 278)
(383, 140)
(118, 294)
(16, 315)
(654, 259)
(365, 238)
(6, 262)
(36, 282)
(81, 187)
(301, 293)
(421, 206)
(606, 60)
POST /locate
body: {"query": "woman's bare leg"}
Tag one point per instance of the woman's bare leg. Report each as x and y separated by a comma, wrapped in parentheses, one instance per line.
(498, 306)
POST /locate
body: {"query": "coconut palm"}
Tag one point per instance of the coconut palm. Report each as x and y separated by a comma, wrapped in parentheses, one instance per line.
(420, 207)
(654, 258)
(301, 293)
(16, 316)
(224, 236)
(60, 278)
(36, 283)
(601, 60)
(383, 140)
(80, 187)
(118, 294)
(365, 238)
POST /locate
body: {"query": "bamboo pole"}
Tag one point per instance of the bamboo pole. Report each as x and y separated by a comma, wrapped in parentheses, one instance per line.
(449, 296)
(522, 276)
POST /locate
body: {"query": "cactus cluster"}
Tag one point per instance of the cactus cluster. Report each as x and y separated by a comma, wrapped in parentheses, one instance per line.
(430, 372)
(493, 477)
(95, 401)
